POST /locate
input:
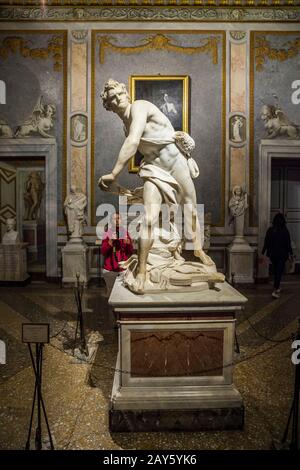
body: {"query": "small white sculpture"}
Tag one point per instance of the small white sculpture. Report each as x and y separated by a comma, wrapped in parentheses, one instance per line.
(5, 130)
(34, 188)
(11, 237)
(236, 127)
(79, 128)
(74, 208)
(277, 124)
(238, 205)
(40, 122)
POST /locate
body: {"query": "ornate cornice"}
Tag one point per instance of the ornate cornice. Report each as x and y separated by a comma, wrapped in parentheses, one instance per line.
(141, 3)
(153, 13)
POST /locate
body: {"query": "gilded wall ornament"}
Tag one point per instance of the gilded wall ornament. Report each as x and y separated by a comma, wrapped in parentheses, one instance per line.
(159, 42)
(264, 51)
(18, 45)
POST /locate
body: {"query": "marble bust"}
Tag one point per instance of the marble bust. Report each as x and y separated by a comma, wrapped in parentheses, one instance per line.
(74, 208)
(11, 237)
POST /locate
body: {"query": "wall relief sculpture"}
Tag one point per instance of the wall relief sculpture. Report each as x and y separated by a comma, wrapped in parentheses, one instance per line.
(277, 124)
(40, 122)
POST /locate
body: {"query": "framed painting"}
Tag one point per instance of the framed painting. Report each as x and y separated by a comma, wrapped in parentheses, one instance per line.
(170, 93)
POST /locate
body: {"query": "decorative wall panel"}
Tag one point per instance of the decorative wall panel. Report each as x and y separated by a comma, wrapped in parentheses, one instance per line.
(33, 65)
(275, 58)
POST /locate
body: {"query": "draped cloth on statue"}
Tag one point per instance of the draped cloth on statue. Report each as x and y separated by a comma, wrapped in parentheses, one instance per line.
(166, 269)
(167, 185)
(185, 144)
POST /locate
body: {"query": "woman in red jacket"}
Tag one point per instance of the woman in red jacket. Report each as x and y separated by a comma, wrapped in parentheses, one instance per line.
(116, 246)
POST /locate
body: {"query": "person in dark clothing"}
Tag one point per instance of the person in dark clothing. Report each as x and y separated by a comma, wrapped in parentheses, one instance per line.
(277, 247)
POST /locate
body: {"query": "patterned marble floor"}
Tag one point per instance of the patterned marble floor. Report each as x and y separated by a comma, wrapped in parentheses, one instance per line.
(77, 395)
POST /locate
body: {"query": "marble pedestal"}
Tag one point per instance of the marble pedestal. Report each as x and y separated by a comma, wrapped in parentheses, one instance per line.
(75, 260)
(174, 368)
(13, 264)
(240, 263)
(34, 235)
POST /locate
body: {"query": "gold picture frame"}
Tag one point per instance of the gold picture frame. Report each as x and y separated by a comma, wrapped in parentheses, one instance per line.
(170, 93)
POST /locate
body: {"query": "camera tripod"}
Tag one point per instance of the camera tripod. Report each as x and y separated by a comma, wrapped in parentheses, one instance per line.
(37, 365)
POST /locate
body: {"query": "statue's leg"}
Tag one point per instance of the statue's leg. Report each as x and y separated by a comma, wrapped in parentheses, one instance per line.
(152, 204)
(34, 205)
(191, 221)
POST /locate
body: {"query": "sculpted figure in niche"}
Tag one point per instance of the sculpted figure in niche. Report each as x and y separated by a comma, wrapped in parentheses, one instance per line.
(40, 122)
(74, 208)
(236, 129)
(11, 237)
(277, 124)
(238, 205)
(167, 169)
(34, 189)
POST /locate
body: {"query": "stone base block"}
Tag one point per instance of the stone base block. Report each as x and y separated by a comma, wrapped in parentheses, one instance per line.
(240, 263)
(175, 363)
(34, 235)
(23, 283)
(75, 261)
(213, 419)
(13, 263)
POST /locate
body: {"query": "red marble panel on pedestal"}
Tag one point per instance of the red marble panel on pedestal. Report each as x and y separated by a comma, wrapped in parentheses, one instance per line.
(28, 236)
(169, 353)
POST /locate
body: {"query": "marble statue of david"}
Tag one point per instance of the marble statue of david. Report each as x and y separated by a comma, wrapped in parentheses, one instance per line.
(167, 169)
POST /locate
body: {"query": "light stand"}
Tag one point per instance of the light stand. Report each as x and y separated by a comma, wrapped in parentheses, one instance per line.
(294, 412)
(236, 342)
(78, 293)
(37, 365)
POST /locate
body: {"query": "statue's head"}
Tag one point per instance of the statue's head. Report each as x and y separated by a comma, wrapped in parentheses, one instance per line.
(50, 110)
(114, 96)
(237, 191)
(238, 119)
(10, 224)
(73, 189)
(267, 112)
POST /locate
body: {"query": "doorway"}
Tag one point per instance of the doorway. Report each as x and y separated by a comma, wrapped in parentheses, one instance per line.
(285, 197)
(37, 149)
(22, 180)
